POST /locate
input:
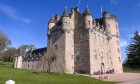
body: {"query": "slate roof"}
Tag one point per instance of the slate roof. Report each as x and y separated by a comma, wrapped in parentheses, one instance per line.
(35, 54)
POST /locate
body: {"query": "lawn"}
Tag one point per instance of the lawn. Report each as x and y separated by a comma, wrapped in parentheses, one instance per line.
(131, 70)
(21, 76)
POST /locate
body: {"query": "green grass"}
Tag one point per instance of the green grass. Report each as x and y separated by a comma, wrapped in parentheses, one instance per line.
(29, 77)
(131, 70)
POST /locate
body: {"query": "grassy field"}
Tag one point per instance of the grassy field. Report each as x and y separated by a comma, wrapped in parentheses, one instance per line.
(29, 77)
(131, 70)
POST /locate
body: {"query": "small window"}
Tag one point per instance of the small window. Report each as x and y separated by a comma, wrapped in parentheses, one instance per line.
(89, 22)
(119, 59)
(118, 50)
(117, 42)
(102, 55)
(65, 23)
(55, 46)
(95, 54)
(71, 56)
(116, 27)
(94, 36)
(77, 57)
(117, 33)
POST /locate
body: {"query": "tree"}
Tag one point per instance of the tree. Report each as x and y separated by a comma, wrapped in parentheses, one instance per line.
(52, 61)
(133, 52)
(24, 48)
(9, 54)
(4, 41)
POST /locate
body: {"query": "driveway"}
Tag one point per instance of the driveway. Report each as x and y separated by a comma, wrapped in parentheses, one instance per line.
(123, 78)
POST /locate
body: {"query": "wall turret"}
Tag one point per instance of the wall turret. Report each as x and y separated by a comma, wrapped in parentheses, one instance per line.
(51, 24)
(111, 27)
(65, 20)
(88, 19)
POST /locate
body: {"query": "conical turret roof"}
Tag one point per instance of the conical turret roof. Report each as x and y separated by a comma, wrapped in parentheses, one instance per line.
(51, 19)
(87, 11)
(65, 14)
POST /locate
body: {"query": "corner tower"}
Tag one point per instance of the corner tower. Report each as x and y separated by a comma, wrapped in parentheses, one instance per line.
(68, 28)
(111, 27)
(88, 19)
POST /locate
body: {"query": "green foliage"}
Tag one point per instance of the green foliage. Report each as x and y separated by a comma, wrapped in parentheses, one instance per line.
(4, 41)
(9, 54)
(28, 77)
(133, 52)
(130, 70)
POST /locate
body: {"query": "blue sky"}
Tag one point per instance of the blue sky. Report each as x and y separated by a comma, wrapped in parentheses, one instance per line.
(25, 21)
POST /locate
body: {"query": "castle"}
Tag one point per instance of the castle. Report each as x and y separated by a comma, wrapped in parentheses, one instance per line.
(86, 45)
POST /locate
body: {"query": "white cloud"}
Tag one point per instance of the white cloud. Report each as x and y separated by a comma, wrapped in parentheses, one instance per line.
(123, 43)
(114, 2)
(11, 13)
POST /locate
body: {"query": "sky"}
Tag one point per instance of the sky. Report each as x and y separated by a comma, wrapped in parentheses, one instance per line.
(25, 21)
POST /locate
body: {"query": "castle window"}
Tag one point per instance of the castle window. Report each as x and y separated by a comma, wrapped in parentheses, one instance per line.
(94, 36)
(118, 42)
(55, 46)
(102, 55)
(119, 59)
(118, 50)
(89, 22)
(95, 54)
(116, 27)
(72, 57)
(117, 33)
(77, 57)
(66, 23)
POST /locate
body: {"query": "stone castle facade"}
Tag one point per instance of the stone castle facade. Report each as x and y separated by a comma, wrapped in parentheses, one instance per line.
(86, 45)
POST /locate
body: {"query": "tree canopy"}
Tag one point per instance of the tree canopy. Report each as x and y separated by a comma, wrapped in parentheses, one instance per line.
(4, 41)
(133, 52)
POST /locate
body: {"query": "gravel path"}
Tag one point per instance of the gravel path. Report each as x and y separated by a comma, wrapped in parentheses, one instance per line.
(124, 78)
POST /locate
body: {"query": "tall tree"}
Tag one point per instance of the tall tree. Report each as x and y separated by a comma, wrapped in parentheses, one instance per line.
(9, 54)
(4, 41)
(133, 52)
(24, 48)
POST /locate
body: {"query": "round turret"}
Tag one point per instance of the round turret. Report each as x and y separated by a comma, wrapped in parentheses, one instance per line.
(51, 24)
(65, 20)
(88, 18)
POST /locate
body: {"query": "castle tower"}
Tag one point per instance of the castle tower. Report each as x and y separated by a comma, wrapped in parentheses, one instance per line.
(68, 27)
(51, 24)
(88, 19)
(111, 27)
